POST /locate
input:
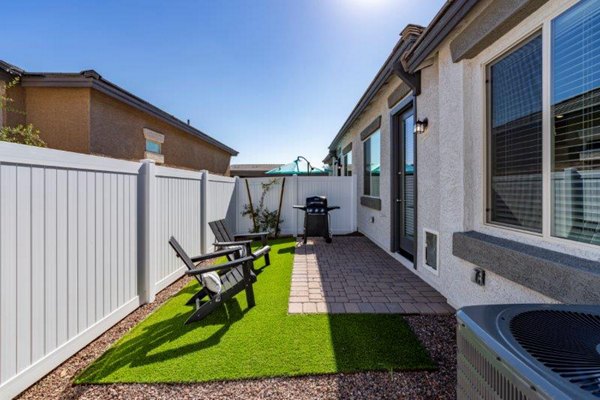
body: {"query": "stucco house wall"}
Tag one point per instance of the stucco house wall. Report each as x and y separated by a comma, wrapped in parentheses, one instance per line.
(117, 131)
(62, 115)
(451, 168)
(374, 224)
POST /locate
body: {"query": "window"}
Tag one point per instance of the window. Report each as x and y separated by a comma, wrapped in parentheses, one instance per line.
(152, 146)
(575, 111)
(348, 164)
(372, 156)
(154, 141)
(523, 176)
(515, 102)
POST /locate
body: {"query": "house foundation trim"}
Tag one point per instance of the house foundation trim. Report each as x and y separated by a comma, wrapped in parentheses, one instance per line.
(561, 276)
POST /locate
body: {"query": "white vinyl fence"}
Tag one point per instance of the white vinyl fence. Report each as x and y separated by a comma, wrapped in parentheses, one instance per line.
(84, 242)
(340, 191)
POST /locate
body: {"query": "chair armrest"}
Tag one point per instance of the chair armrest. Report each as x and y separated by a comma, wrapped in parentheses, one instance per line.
(238, 243)
(215, 254)
(219, 267)
(261, 235)
(251, 235)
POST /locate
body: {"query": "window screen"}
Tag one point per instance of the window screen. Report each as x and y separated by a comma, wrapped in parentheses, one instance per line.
(515, 97)
(576, 123)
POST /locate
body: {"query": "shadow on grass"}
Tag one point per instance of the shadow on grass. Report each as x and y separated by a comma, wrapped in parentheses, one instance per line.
(286, 250)
(138, 350)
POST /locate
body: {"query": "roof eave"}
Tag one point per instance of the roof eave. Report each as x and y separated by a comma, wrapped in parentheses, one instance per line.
(384, 73)
(106, 87)
(448, 18)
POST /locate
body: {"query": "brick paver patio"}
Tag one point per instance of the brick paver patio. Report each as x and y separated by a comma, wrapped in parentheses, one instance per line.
(353, 275)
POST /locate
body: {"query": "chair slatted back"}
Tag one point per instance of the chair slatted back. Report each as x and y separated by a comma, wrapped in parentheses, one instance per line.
(220, 231)
(183, 255)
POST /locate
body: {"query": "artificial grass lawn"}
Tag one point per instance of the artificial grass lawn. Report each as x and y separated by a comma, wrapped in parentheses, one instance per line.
(236, 343)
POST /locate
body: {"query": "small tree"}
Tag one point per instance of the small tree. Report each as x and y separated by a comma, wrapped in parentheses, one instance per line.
(264, 220)
(24, 134)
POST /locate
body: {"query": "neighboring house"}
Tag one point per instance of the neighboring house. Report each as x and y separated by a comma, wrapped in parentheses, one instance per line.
(503, 172)
(252, 170)
(85, 113)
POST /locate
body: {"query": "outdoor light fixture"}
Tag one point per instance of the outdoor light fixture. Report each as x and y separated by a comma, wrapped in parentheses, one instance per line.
(421, 126)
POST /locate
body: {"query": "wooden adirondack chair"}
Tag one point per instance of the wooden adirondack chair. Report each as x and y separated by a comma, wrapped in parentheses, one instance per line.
(224, 239)
(236, 275)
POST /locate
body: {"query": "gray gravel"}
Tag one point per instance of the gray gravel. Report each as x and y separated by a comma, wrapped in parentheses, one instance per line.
(437, 333)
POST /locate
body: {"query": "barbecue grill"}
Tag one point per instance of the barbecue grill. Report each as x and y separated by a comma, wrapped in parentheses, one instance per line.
(316, 217)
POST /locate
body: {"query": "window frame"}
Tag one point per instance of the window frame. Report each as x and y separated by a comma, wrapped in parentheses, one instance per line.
(488, 129)
(543, 25)
(364, 159)
(158, 138)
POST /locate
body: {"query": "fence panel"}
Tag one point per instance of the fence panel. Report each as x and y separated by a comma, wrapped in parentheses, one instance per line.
(178, 213)
(220, 203)
(339, 191)
(68, 256)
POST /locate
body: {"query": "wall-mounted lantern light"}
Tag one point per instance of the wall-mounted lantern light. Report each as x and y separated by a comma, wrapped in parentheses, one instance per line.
(338, 165)
(421, 126)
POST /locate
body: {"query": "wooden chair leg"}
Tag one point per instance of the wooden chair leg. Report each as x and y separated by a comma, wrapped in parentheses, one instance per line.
(267, 260)
(248, 282)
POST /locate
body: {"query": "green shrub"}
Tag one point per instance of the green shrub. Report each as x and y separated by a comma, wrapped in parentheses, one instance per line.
(263, 219)
(24, 134)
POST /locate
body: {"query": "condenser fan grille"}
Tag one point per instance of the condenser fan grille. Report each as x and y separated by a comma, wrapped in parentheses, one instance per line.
(566, 342)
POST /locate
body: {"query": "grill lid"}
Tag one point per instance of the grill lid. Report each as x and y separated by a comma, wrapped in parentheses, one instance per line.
(567, 342)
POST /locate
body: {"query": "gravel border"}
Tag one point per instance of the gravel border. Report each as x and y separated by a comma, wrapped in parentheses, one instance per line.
(437, 333)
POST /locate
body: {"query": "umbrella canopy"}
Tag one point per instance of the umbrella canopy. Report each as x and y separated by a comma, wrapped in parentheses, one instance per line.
(296, 167)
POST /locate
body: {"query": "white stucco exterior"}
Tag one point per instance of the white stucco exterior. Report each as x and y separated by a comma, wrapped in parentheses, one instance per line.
(375, 224)
(452, 163)
(451, 167)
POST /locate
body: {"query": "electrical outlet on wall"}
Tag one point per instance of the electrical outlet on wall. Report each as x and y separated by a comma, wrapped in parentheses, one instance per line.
(478, 276)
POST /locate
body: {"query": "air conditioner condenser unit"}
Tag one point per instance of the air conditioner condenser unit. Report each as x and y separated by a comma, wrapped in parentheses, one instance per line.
(528, 351)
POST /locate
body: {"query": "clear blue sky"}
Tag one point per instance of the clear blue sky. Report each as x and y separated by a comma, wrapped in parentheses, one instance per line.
(273, 79)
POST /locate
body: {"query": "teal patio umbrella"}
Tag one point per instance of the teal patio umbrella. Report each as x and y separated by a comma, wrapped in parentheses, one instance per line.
(300, 166)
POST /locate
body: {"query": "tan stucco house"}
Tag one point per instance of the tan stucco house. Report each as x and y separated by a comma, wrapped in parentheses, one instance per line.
(477, 152)
(85, 113)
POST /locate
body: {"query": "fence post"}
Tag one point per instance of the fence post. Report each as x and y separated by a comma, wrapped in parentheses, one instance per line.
(147, 231)
(204, 212)
(295, 199)
(236, 205)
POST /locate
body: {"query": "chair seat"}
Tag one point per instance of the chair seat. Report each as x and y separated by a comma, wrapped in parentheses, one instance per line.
(233, 277)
